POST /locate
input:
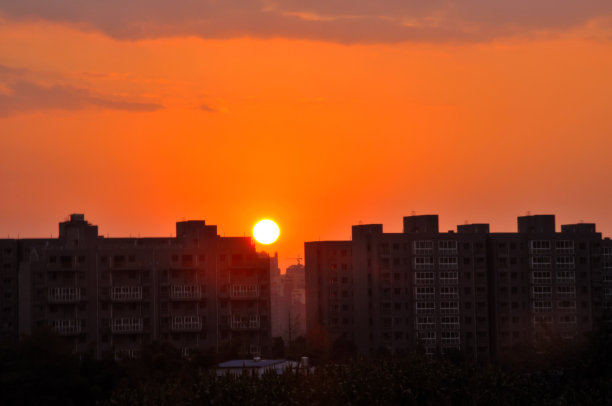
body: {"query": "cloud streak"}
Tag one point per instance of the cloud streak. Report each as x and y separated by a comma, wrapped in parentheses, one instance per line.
(19, 95)
(345, 21)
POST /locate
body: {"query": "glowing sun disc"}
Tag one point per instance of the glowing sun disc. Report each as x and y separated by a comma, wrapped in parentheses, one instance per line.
(266, 232)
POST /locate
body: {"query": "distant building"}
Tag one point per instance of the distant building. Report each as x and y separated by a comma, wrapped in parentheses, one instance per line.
(481, 293)
(197, 291)
(257, 366)
(289, 303)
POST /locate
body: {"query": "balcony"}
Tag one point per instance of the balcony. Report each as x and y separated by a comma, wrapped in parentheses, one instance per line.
(425, 308)
(186, 323)
(447, 251)
(66, 327)
(450, 309)
(450, 342)
(539, 246)
(539, 277)
(566, 277)
(564, 247)
(449, 280)
(425, 326)
(423, 264)
(64, 295)
(424, 278)
(448, 264)
(126, 325)
(244, 291)
(245, 322)
(423, 247)
(566, 306)
(126, 293)
(540, 264)
(186, 292)
(452, 295)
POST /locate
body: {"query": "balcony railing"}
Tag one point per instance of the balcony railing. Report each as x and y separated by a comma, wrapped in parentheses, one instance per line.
(425, 310)
(245, 322)
(246, 291)
(67, 327)
(186, 323)
(126, 325)
(425, 326)
(449, 281)
(64, 295)
(424, 266)
(126, 293)
(186, 292)
(447, 251)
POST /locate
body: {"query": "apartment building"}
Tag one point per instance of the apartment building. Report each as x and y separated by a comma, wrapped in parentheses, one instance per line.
(196, 291)
(471, 290)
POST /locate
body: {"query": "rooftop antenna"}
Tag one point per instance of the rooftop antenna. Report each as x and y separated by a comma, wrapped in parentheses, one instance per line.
(413, 213)
(529, 212)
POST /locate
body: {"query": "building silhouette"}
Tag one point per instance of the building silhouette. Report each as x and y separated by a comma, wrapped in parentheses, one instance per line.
(485, 294)
(197, 291)
(289, 303)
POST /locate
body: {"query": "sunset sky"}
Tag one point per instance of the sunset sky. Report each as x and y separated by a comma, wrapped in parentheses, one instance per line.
(317, 114)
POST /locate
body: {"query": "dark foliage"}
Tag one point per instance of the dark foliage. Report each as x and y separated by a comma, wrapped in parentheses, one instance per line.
(42, 371)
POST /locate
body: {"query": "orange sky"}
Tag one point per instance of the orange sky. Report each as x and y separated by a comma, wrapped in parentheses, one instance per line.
(317, 134)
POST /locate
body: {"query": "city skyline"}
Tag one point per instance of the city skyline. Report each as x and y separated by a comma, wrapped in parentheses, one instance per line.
(316, 115)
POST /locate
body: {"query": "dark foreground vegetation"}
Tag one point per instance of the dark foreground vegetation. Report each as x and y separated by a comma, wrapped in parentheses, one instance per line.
(42, 371)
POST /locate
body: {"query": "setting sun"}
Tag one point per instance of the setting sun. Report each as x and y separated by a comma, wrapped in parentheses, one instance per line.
(266, 232)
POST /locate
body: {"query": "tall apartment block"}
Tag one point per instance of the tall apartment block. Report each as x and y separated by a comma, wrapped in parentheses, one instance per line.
(482, 293)
(197, 291)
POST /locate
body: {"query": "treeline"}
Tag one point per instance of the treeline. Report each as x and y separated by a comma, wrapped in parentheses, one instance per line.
(41, 370)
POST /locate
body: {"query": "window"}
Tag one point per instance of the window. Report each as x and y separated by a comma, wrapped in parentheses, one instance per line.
(566, 276)
(448, 278)
(450, 337)
(564, 246)
(427, 337)
(539, 246)
(449, 307)
(448, 262)
(541, 276)
(424, 293)
(449, 322)
(542, 292)
(566, 305)
(540, 262)
(566, 291)
(447, 247)
(423, 247)
(425, 307)
(423, 263)
(540, 306)
(449, 292)
(565, 262)
(424, 278)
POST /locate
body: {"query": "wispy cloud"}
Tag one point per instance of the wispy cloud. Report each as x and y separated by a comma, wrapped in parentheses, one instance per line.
(205, 107)
(346, 21)
(20, 95)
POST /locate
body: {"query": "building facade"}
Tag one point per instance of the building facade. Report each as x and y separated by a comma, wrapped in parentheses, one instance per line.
(468, 290)
(197, 291)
